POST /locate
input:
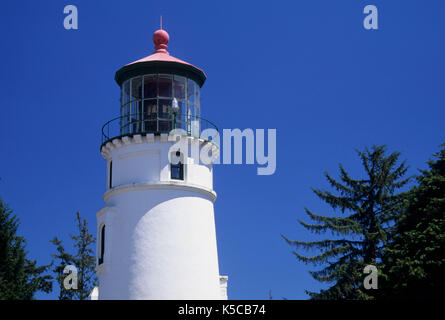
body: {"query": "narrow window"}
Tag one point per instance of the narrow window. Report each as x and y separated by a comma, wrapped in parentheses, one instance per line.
(177, 170)
(110, 175)
(102, 244)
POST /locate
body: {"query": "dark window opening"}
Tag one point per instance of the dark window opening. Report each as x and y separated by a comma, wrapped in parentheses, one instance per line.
(110, 185)
(102, 245)
(177, 170)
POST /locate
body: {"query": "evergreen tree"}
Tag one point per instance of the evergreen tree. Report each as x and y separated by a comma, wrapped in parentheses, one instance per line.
(64, 259)
(370, 205)
(20, 278)
(414, 261)
(84, 260)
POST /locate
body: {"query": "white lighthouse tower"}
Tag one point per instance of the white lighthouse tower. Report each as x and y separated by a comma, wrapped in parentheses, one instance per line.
(156, 233)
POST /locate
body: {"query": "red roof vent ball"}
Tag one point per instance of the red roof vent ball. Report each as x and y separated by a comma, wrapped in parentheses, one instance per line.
(160, 39)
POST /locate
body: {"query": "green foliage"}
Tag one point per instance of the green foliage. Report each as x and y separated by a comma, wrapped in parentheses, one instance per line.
(64, 259)
(369, 207)
(84, 260)
(414, 261)
(20, 278)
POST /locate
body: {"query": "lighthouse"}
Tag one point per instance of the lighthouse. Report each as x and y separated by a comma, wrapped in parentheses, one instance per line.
(156, 234)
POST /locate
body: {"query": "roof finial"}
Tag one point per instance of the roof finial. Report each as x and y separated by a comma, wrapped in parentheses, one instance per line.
(160, 39)
(161, 22)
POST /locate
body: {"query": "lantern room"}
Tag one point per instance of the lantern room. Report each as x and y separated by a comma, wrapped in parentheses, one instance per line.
(158, 93)
(151, 102)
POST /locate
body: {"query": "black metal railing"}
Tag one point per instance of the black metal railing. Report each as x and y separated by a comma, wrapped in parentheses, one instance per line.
(130, 125)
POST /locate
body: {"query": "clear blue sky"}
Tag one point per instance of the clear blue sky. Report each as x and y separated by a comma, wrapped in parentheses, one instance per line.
(307, 68)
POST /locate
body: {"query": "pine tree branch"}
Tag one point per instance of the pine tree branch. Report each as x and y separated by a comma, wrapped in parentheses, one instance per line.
(323, 244)
(344, 203)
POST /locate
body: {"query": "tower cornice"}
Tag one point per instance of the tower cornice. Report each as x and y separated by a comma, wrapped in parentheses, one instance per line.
(128, 140)
(161, 185)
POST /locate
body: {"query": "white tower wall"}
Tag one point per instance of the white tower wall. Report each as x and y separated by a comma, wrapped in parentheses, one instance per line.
(160, 240)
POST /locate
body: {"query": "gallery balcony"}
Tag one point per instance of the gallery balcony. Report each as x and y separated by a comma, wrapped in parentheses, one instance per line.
(138, 124)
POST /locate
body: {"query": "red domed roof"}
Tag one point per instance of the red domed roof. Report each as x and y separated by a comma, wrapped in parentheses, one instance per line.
(161, 58)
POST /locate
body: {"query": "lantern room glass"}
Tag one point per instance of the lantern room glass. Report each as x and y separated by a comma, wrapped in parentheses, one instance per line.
(158, 103)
